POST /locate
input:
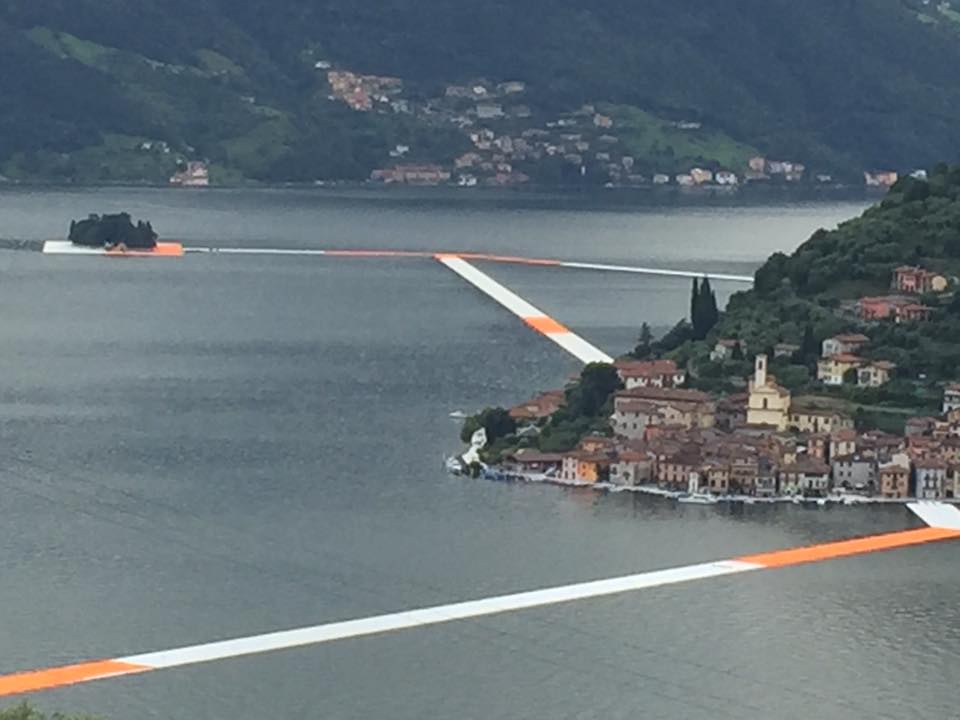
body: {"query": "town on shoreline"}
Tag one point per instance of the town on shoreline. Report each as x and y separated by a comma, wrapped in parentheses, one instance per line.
(651, 432)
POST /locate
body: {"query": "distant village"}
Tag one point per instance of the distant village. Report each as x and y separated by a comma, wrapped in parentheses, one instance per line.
(761, 443)
(507, 136)
(509, 142)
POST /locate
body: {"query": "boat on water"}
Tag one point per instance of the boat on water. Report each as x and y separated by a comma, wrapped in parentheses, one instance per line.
(693, 496)
(458, 415)
(697, 499)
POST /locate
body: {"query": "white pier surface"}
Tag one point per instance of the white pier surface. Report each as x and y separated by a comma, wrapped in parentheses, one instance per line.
(947, 528)
(532, 316)
(655, 271)
(937, 514)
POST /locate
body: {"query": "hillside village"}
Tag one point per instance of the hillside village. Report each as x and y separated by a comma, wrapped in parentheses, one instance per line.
(512, 143)
(764, 442)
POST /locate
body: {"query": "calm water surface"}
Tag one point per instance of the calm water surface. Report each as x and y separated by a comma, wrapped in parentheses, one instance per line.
(222, 445)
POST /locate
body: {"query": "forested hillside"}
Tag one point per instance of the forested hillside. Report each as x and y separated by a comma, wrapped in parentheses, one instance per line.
(843, 85)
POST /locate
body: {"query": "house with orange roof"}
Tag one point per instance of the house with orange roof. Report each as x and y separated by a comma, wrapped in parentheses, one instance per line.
(650, 373)
(892, 307)
(911, 279)
(540, 407)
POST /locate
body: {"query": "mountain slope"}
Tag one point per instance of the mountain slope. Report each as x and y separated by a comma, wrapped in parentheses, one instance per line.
(840, 84)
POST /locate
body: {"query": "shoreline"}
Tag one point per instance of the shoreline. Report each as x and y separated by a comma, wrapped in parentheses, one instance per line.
(656, 491)
(642, 195)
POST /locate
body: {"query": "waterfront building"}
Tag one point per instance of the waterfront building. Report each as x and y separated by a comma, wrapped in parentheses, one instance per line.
(931, 478)
(894, 481)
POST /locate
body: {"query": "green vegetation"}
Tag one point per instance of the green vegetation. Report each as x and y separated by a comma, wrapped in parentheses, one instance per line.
(841, 86)
(23, 711)
(703, 309)
(810, 295)
(663, 147)
(112, 231)
(586, 410)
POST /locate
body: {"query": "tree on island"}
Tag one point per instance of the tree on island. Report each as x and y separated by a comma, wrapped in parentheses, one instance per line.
(112, 231)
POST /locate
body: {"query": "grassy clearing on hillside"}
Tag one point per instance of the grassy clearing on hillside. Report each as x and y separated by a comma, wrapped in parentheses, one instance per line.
(669, 148)
(65, 45)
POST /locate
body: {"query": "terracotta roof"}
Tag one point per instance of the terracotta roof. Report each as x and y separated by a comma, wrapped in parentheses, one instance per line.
(930, 464)
(529, 455)
(637, 406)
(850, 338)
(670, 394)
(646, 368)
(844, 434)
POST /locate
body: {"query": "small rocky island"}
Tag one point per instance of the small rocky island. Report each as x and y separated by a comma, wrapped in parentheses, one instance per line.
(113, 232)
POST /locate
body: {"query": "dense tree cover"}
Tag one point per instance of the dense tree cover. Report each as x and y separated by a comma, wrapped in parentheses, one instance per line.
(808, 296)
(838, 84)
(918, 222)
(495, 420)
(111, 230)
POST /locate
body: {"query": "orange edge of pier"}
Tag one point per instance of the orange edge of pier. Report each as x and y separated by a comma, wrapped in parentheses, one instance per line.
(50, 678)
(46, 679)
(845, 548)
(162, 249)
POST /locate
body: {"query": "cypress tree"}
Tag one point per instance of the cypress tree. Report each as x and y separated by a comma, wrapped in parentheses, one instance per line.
(711, 315)
(808, 346)
(694, 303)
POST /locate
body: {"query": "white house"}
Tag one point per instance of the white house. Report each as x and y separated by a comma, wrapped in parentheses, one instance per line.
(931, 478)
(841, 344)
(951, 398)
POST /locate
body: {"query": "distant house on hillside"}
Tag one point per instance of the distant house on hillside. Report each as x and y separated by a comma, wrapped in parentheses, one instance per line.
(832, 370)
(196, 174)
(875, 373)
(951, 398)
(725, 177)
(724, 349)
(701, 176)
(892, 307)
(910, 279)
(882, 178)
(845, 343)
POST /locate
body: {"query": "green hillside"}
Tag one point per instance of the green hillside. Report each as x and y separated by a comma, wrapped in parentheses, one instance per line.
(840, 86)
(810, 295)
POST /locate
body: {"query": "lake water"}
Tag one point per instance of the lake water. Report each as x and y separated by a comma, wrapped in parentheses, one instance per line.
(218, 446)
